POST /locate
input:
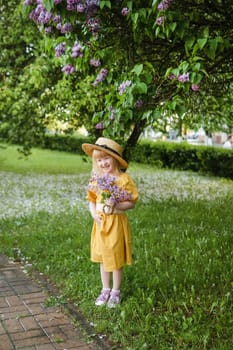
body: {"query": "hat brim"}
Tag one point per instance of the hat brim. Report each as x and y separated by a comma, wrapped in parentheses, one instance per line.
(88, 148)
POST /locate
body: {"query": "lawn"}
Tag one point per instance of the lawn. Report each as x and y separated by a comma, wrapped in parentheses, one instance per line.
(178, 293)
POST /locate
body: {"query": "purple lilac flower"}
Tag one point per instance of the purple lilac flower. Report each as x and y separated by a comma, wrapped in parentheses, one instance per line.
(160, 20)
(57, 19)
(125, 11)
(100, 126)
(59, 26)
(66, 28)
(91, 3)
(60, 49)
(139, 104)
(195, 87)
(77, 50)
(164, 5)
(183, 78)
(101, 76)
(93, 25)
(45, 17)
(81, 8)
(112, 113)
(40, 15)
(28, 2)
(48, 30)
(91, 7)
(71, 5)
(68, 69)
(56, 2)
(95, 63)
(172, 76)
(123, 86)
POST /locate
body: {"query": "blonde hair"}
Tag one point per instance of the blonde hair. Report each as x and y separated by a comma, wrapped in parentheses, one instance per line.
(96, 154)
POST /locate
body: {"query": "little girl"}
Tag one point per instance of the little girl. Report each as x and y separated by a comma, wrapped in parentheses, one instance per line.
(110, 193)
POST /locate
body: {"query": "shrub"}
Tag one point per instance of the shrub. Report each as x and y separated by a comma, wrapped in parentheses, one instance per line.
(205, 159)
(183, 156)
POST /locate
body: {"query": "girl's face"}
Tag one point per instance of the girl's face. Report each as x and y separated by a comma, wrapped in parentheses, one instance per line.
(106, 163)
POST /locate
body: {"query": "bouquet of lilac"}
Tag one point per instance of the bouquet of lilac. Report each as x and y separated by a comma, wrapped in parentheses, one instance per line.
(109, 190)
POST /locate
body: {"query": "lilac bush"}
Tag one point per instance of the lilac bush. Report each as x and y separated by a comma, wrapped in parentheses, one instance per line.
(161, 47)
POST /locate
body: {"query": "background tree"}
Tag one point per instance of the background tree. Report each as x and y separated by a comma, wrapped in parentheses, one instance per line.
(130, 64)
(22, 72)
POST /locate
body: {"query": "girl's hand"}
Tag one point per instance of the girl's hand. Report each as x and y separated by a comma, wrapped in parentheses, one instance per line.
(109, 202)
(97, 219)
(109, 206)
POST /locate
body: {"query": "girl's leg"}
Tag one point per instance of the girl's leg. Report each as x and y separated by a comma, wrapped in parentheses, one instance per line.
(117, 278)
(115, 296)
(105, 292)
(105, 277)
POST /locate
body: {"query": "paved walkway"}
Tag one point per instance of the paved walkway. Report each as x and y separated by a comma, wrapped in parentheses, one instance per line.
(26, 323)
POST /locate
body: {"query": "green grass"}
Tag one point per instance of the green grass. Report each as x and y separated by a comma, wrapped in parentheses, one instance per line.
(178, 293)
(42, 161)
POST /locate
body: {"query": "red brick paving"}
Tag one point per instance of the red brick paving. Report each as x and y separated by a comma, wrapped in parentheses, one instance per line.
(26, 323)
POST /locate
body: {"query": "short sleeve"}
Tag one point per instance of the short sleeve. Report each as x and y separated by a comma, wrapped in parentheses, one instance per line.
(126, 183)
(91, 196)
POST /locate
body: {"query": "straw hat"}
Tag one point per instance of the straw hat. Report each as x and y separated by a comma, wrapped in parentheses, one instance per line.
(108, 146)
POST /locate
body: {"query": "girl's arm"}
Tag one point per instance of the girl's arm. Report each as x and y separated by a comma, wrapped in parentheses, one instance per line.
(92, 208)
(125, 205)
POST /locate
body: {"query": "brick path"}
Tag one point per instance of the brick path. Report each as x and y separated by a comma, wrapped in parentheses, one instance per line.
(26, 323)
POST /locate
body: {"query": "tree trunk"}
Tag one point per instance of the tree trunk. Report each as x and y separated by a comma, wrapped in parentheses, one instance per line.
(133, 139)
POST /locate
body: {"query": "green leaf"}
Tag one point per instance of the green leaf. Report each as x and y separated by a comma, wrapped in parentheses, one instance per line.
(150, 66)
(140, 88)
(211, 51)
(168, 72)
(202, 42)
(197, 67)
(213, 44)
(130, 5)
(128, 100)
(184, 66)
(143, 13)
(189, 43)
(49, 4)
(157, 31)
(147, 77)
(137, 69)
(176, 72)
(105, 4)
(135, 19)
(205, 32)
(147, 115)
(172, 26)
(195, 78)
(195, 49)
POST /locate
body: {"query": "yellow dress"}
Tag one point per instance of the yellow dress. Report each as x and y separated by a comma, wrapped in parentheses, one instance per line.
(111, 241)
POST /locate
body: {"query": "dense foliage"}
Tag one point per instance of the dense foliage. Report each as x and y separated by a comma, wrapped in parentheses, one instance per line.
(147, 62)
(117, 66)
